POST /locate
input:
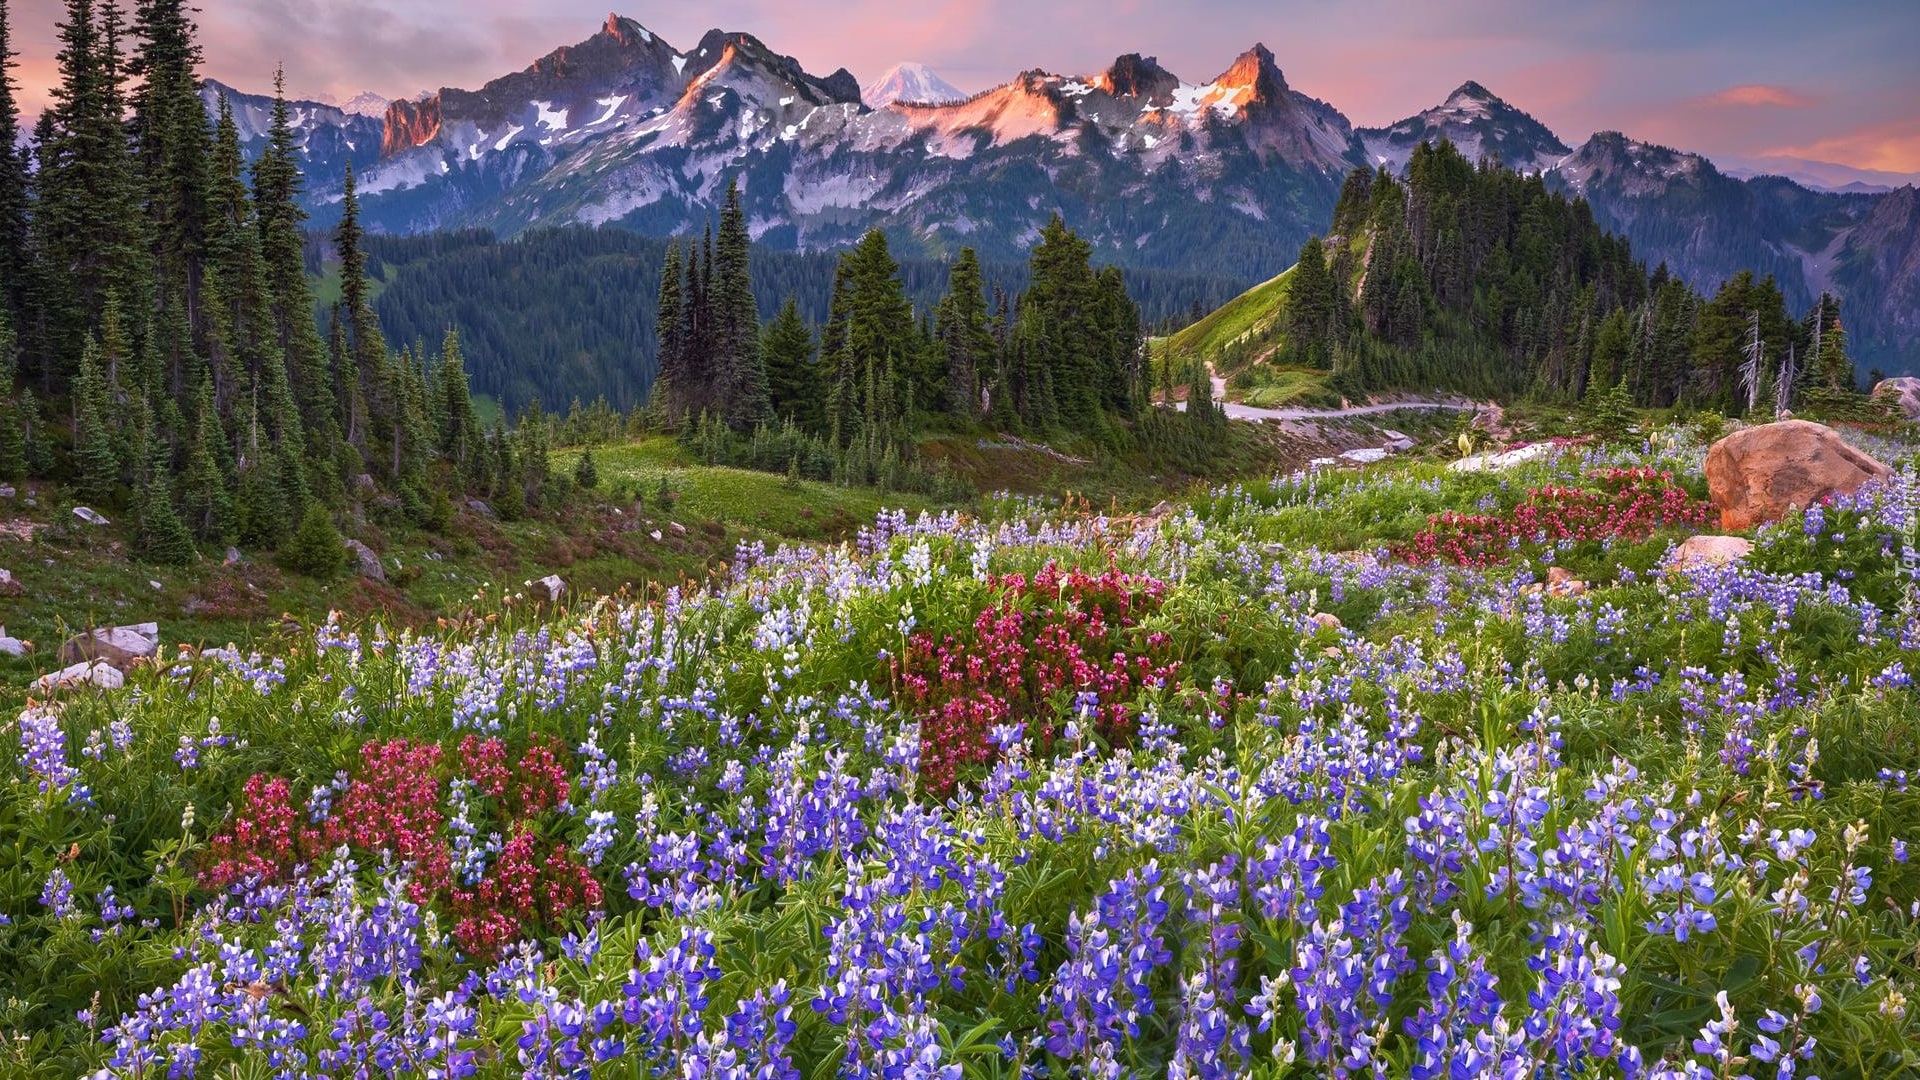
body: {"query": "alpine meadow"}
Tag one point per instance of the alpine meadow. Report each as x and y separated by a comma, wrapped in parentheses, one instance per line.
(669, 565)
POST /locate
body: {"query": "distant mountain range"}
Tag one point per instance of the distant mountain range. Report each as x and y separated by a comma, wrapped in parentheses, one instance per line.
(1227, 176)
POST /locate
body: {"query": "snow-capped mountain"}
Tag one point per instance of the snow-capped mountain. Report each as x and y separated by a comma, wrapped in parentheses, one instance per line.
(366, 103)
(1479, 123)
(1225, 176)
(910, 82)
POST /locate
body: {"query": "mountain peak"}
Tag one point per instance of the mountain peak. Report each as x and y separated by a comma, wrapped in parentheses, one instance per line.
(1138, 76)
(1256, 71)
(1473, 91)
(625, 31)
(910, 82)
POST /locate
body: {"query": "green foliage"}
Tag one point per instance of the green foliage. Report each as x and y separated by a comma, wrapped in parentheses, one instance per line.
(585, 475)
(316, 547)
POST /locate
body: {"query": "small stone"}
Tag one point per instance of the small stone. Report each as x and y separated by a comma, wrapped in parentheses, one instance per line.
(655, 534)
(90, 516)
(6, 491)
(678, 529)
(555, 586)
(233, 556)
(480, 507)
(1326, 620)
(11, 646)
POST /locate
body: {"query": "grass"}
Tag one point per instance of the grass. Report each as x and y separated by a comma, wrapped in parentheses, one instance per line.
(1252, 312)
(755, 502)
(1282, 388)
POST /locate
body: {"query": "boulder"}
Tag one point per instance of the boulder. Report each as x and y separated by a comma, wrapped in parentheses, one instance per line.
(1561, 582)
(1325, 620)
(118, 646)
(480, 507)
(9, 586)
(90, 516)
(1903, 391)
(11, 646)
(369, 562)
(6, 491)
(1763, 473)
(1398, 442)
(233, 557)
(1711, 551)
(554, 586)
(99, 673)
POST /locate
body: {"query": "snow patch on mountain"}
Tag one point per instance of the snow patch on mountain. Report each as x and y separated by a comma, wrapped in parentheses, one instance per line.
(366, 103)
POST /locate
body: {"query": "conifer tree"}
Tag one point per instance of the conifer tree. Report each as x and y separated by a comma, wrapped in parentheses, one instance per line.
(739, 369)
(163, 537)
(95, 457)
(15, 256)
(459, 428)
(795, 386)
(13, 435)
(207, 487)
(585, 473)
(669, 381)
(375, 390)
(965, 337)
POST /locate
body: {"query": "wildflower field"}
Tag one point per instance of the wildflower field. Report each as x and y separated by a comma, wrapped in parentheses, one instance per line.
(1306, 778)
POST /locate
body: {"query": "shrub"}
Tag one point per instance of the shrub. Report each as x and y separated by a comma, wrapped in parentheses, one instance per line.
(315, 548)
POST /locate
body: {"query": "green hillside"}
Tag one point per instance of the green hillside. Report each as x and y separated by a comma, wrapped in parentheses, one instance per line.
(1251, 319)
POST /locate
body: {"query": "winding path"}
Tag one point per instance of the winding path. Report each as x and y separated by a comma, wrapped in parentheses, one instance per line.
(1237, 411)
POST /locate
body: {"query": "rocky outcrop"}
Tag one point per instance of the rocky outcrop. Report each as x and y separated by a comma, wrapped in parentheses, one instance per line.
(1763, 473)
(410, 124)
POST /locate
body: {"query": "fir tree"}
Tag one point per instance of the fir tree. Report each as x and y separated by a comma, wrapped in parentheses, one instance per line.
(207, 489)
(965, 337)
(96, 458)
(669, 381)
(585, 474)
(15, 257)
(316, 548)
(739, 370)
(163, 537)
(794, 383)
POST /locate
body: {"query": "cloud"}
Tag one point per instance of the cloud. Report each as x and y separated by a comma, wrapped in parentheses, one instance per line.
(1889, 147)
(1757, 94)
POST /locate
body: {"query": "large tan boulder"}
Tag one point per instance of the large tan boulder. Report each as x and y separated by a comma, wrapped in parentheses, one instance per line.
(1903, 391)
(1705, 550)
(120, 647)
(1763, 473)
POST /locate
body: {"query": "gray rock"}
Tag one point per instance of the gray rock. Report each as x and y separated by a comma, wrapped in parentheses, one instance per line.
(555, 587)
(118, 646)
(7, 492)
(1367, 456)
(233, 556)
(11, 646)
(369, 562)
(90, 516)
(479, 506)
(98, 673)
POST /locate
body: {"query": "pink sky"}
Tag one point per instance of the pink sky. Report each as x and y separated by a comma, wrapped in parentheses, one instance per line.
(1739, 80)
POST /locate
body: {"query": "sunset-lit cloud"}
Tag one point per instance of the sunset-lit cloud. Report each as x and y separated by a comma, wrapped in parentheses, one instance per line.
(1756, 94)
(1891, 147)
(1676, 72)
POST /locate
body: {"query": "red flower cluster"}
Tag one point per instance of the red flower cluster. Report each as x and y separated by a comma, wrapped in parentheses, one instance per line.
(394, 806)
(1622, 503)
(520, 889)
(1036, 647)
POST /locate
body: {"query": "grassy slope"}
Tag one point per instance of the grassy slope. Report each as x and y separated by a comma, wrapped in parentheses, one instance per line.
(1253, 311)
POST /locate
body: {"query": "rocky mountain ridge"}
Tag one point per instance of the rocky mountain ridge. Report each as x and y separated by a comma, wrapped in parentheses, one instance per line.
(1228, 175)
